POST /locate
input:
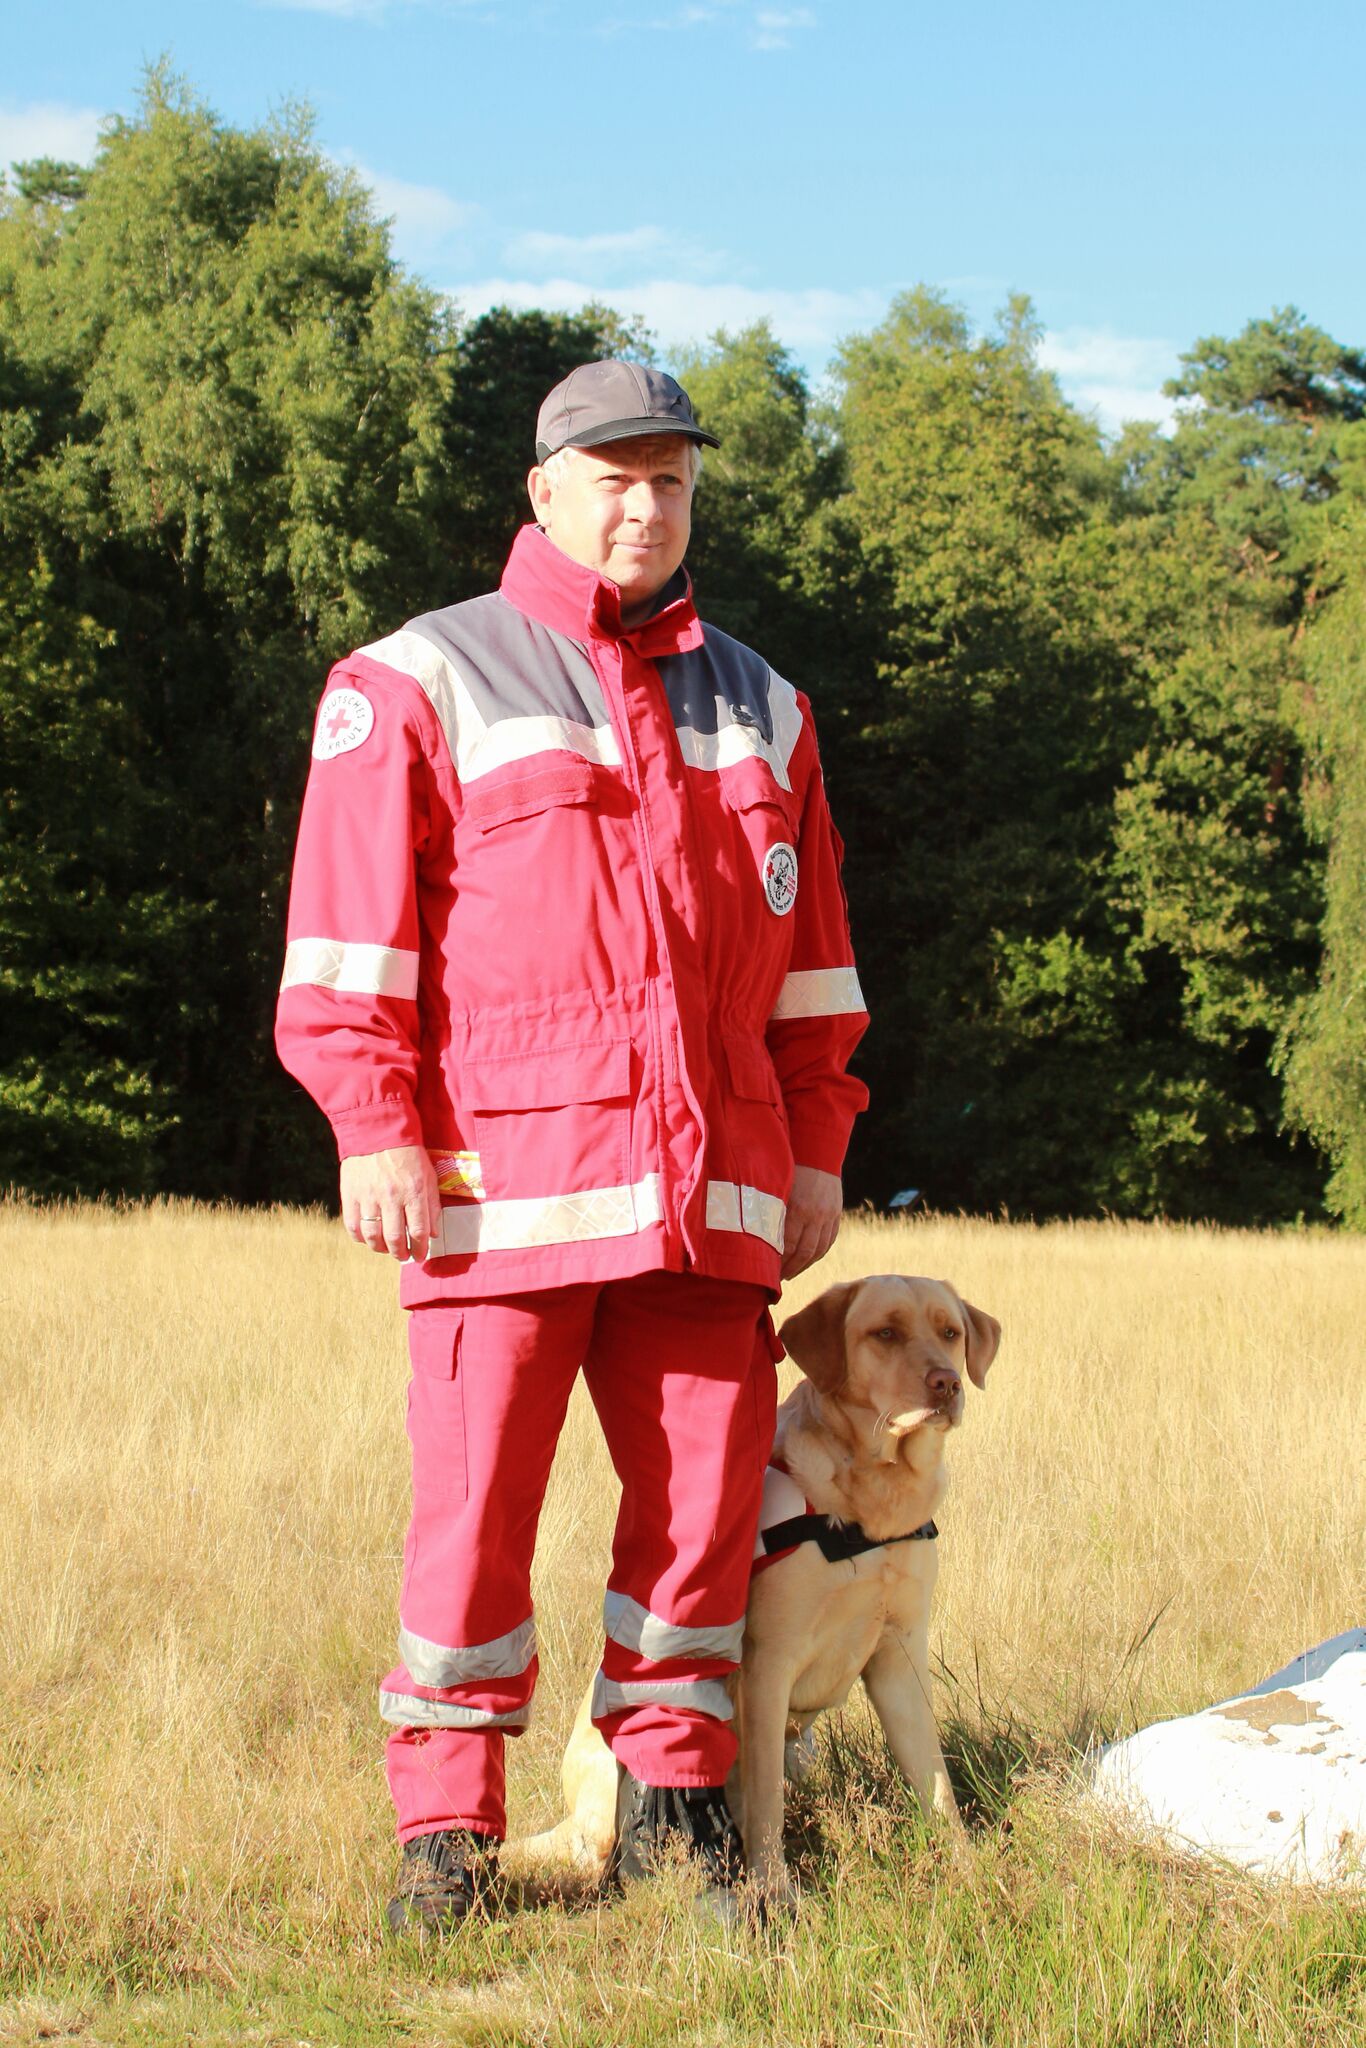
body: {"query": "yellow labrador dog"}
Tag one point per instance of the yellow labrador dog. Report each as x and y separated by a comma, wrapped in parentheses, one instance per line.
(845, 1564)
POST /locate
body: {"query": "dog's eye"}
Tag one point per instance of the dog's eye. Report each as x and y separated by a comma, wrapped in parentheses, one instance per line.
(888, 1334)
(951, 1335)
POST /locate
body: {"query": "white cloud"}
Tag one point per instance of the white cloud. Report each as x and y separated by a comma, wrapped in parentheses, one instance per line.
(773, 26)
(614, 257)
(681, 18)
(354, 10)
(349, 10)
(680, 310)
(48, 128)
(1118, 377)
(768, 28)
(425, 218)
(545, 250)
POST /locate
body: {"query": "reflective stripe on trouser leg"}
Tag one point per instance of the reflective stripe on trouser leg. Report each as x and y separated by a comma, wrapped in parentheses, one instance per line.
(478, 1685)
(440, 1664)
(696, 1695)
(650, 1662)
(490, 1385)
(626, 1622)
(681, 1372)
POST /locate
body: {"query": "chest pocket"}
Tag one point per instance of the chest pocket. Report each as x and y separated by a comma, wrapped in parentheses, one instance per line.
(569, 779)
(766, 852)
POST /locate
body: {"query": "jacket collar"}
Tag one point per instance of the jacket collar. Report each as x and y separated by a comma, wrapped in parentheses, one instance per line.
(544, 583)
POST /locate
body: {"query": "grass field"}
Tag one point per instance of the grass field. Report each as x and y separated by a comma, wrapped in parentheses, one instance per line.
(1161, 1497)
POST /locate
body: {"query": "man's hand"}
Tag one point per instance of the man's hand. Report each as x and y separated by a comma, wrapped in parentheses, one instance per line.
(814, 1209)
(389, 1200)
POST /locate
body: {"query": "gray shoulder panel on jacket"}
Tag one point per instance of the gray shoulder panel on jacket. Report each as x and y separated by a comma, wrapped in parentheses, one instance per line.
(722, 682)
(512, 666)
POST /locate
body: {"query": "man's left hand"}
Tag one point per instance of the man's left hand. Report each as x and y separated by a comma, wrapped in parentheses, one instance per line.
(814, 1209)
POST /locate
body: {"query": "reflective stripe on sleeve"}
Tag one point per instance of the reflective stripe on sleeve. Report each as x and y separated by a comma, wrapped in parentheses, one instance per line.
(406, 1711)
(748, 1209)
(438, 1666)
(819, 992)
(698, 1695)
(351, 969)
(508, 1225)
(635, 1628)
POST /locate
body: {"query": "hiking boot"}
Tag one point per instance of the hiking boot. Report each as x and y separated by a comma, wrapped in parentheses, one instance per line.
(443, 1878)
(655, 1822)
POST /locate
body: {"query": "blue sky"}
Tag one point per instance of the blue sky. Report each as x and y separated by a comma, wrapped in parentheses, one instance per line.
(1147, 175)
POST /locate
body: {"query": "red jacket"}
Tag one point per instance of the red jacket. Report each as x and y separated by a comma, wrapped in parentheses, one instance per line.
(566, 910)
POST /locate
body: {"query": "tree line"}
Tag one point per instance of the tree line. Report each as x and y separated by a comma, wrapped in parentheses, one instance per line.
(1093, 713)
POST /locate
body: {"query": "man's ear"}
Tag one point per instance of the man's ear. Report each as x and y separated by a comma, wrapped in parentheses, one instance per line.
(815, 1337)
(981, 1337)
(538, 490)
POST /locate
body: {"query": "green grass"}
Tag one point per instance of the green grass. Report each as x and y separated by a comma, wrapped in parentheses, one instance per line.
(1058, 1931)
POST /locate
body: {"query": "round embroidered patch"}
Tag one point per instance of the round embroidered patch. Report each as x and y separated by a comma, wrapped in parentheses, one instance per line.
(345, 722)
(780, 878)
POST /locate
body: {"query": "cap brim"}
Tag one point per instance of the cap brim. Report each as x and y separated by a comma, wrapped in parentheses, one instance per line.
(628, 430)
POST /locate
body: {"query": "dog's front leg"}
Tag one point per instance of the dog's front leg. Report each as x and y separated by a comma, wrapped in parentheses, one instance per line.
(897, 1678)
(762, 1695)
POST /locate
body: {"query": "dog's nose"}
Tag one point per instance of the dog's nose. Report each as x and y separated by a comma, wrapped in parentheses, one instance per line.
(943, 1385)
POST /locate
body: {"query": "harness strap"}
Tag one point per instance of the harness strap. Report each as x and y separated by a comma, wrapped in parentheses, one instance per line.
(837, 1540)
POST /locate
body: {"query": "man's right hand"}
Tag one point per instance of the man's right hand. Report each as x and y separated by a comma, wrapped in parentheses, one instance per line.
(390, 1201)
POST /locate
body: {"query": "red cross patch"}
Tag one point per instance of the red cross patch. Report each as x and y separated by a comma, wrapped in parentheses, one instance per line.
(345, 721)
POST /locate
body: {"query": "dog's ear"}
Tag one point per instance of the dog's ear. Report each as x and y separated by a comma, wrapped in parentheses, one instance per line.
(815, 1337)
(981, 1338)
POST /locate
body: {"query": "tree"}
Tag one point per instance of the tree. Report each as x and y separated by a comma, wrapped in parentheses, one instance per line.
(1323, 1048)
(979, 764)
(233, 470)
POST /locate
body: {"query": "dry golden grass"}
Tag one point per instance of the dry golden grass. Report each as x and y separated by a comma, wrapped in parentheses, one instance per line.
(202, 1500)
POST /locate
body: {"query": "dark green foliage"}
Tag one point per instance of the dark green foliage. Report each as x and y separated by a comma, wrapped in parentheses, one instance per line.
(222, 447)
(504, 364)
(1091, 716)
(1325, 1039)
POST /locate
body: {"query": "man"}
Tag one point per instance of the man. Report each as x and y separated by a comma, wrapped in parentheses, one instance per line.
(569, 972)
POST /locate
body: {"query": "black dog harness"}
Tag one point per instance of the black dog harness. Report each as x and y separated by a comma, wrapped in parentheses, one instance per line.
(837, 1540)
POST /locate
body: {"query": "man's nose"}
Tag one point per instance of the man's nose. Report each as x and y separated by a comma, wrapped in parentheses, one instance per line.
(642, 504)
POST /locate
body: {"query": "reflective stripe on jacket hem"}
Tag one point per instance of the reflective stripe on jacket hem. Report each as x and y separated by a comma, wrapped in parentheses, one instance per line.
(350, 968)
(520, 1222)
(437, 1665)
(510, 1224)
(700, 1695)
(635, 1628)
(748, 1209)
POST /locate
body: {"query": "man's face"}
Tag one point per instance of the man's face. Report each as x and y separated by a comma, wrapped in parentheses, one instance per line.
(624, 509)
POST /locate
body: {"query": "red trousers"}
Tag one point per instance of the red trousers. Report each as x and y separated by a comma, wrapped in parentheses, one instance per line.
(681, 1372)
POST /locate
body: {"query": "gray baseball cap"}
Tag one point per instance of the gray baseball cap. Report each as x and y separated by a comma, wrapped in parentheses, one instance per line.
(614, 401)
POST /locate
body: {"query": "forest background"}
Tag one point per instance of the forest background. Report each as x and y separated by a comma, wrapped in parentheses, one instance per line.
(1093, 711)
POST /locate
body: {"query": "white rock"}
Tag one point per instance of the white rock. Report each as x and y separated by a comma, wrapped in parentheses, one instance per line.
(1274, 1780)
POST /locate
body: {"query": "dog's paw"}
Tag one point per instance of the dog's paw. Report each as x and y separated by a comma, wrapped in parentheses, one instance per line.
(955, 1845)
(771, 1899)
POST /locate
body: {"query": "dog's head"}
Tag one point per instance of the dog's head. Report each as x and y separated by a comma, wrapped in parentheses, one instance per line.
(895, 1345)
